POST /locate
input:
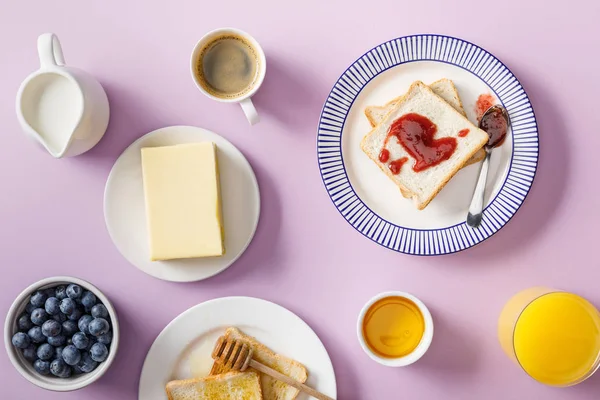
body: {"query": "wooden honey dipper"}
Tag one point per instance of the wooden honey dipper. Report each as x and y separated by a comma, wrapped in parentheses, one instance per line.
(237, 355)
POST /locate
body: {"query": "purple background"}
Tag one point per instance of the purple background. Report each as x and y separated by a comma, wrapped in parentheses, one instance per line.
(304, 255)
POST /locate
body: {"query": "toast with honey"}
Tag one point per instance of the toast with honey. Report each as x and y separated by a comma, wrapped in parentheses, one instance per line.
(229, 386)
(272, 389)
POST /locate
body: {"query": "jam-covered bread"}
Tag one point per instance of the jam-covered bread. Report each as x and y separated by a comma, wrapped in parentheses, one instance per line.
(422, 143)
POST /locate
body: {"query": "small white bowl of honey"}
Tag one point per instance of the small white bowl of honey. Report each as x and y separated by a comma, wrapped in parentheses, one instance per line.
(395, 328)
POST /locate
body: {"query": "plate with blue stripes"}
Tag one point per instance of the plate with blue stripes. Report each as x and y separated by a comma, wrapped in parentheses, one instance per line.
(369, 200)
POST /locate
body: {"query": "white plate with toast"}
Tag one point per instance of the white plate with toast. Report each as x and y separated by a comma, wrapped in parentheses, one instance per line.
(125, 209)
(280, 338)
(404, 200)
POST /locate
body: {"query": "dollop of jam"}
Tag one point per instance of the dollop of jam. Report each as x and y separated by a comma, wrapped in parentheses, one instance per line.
(496, 127)
(463, 133)
(415, 134)
(396, 165)
(384, 155)
(484, 102)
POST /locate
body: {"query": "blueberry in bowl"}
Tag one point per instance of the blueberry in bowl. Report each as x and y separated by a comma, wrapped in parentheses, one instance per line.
(61, 333)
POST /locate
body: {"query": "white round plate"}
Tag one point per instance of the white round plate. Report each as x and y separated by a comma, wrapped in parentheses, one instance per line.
(125, 210)
(183, 348)
(369, 200)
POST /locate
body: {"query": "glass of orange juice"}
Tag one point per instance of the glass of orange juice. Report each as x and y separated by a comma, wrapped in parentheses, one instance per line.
(554, 336)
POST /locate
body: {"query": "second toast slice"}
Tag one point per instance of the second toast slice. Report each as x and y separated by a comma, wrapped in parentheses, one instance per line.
(425, 184)
(272, 389)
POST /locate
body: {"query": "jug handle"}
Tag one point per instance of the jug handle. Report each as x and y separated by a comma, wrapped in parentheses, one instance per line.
(49, 50)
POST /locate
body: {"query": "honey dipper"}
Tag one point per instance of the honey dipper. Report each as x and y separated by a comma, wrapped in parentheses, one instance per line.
(237, 355)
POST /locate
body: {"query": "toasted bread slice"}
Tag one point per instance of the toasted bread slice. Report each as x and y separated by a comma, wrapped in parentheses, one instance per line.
(229, 386)
(425, 185)
(444, 88)
(272, 388)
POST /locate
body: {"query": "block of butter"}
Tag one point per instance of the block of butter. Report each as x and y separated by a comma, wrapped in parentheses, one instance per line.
(183, 201)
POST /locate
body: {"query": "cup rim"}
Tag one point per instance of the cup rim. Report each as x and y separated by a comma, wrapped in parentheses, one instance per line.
(421, 348)
(19, 362)
(253, 42)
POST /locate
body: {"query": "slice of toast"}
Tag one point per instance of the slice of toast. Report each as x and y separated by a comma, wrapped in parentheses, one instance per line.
(423, 186)
(272, 389)
(229, 386)
(444, 88)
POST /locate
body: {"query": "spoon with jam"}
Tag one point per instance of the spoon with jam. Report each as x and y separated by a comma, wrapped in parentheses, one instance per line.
(495, 122)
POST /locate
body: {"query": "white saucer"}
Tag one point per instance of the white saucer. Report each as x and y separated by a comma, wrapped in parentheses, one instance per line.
(182, 350)
(124, 206)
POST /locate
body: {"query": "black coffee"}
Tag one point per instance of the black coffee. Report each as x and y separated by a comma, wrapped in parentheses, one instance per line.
(227, 67)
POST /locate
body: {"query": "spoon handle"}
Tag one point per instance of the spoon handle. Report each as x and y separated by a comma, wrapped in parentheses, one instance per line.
(476, 207)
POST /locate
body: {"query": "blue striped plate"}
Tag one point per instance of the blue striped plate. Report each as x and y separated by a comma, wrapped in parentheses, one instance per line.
(371, 202)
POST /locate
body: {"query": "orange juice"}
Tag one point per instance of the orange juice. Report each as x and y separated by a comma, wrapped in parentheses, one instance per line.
(554, 336)
(393, 327)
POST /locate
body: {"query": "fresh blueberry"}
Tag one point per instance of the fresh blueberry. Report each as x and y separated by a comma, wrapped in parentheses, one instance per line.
(88, 299)
(51, 328)
(60, 292)
(52, 306)
(36, 335)
(30, 353)
(58, 352)
(45, 352)
(99, 352)
(39, 316)
(92, 340)
(84, 323)
(69, 328)
(98, 326)
(29, 308)
(71, 355)
(59, 340)
(20, 340)
(106, 338)
(87, 364)
(50, 292)
(74, 291)
(76, 369)
(42, 367)
(80, 340)
(24, 323)
(58, 367)
(76, 315)
(38, 298)
(67, 306)
(60, 317)
(99, 311)
(67, 373)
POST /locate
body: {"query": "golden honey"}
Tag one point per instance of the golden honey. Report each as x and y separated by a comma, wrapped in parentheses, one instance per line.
(393, 327)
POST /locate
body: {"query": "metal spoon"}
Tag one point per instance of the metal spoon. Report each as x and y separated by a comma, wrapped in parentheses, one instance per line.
(476, 208)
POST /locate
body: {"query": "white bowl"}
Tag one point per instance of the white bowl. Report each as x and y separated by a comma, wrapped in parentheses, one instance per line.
(25, 367)
(421, 348)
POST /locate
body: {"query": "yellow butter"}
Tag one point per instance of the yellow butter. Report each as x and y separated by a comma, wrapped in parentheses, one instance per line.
(183, 201)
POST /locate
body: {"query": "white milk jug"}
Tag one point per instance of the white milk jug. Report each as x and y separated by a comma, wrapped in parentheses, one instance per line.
(63, 108)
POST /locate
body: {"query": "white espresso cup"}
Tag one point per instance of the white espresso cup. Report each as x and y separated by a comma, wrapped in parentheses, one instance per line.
(244, 98)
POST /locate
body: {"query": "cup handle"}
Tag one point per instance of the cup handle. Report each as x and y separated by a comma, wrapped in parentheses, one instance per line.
(49, 50)
(250, 111)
